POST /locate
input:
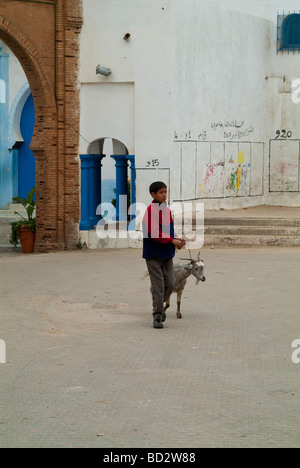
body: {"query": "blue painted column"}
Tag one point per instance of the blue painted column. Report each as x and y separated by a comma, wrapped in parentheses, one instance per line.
(121, 186)
(90, 189)
(131, 158)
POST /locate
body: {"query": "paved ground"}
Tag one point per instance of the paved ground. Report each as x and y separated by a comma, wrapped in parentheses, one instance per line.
(85, 368)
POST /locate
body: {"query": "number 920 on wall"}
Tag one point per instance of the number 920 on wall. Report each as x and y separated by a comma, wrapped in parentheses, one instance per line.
(171, 457)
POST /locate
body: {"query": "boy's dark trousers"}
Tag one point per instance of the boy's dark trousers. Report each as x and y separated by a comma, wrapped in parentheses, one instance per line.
(161, 273)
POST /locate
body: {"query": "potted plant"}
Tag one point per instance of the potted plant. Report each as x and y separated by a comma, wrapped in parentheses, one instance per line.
(24, 229)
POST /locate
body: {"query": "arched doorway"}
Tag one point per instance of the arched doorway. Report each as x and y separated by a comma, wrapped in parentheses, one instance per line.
(17, 119)
(122, 185)
(45, 119)
(50, 58)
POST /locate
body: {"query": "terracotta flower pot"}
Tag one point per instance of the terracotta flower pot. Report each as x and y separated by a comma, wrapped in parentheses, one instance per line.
(27, 239)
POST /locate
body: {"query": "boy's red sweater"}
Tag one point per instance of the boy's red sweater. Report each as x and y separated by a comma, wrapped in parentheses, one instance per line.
(158, 232)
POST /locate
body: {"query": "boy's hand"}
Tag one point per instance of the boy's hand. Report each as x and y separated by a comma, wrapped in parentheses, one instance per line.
(183, 241)
(178, 243)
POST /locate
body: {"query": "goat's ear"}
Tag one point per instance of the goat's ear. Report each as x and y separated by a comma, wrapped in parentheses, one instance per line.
(189, 266)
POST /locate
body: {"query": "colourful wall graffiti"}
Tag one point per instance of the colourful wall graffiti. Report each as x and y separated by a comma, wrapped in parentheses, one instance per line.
(230, 178)
(284, 165)
(238, 182)
(217, 169)
(213, 181)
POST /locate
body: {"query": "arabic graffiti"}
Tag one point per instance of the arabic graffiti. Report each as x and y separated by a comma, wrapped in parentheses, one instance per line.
(226, 123)
(235, 134)
(199, 136)
(239, 134)
(232, 130)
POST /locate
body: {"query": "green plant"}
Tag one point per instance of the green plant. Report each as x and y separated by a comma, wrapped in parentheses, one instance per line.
(114, 200)
(15, 226)
(29, 223)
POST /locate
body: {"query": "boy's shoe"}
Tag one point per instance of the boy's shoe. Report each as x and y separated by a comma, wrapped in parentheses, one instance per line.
(163, 317)
(157, 323)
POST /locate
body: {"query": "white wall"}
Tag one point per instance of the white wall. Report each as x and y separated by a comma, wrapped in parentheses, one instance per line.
(218, 103)
(266, 9)
(133, 103)
(197, 94)
(107, 111)
(230, 88)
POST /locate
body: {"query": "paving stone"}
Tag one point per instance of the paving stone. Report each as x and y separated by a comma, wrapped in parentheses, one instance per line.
(85, 368)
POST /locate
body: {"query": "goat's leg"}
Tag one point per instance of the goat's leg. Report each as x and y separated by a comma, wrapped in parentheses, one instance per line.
(179, 294)
(168, 272)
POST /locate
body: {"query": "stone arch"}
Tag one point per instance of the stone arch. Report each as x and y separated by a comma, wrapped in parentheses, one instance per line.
(44, 141)
(51, 66)
(36, 72)
(96, 146)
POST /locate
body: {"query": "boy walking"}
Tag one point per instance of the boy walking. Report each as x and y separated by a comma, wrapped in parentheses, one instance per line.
(159, 244)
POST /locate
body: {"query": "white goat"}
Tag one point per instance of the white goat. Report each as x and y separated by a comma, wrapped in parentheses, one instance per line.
(181, 273)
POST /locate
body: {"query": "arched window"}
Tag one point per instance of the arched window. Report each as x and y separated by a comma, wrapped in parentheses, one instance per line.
(290, 33)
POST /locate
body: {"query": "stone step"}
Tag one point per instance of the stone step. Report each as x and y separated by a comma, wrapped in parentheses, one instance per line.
(9, 213)
(114, 240)
(6, 214)
(253, 230)
(227, 221)
(266, 237)
(251, 241)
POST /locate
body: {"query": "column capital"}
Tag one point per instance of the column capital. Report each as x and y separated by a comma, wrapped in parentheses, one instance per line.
(131, 158)
(90, 159)
(121, 160)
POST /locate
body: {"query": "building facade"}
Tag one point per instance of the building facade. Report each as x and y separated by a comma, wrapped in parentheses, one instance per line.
(44, 38)
(201, 94)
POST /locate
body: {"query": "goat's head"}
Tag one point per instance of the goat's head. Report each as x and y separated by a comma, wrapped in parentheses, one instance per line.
(196, 268)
